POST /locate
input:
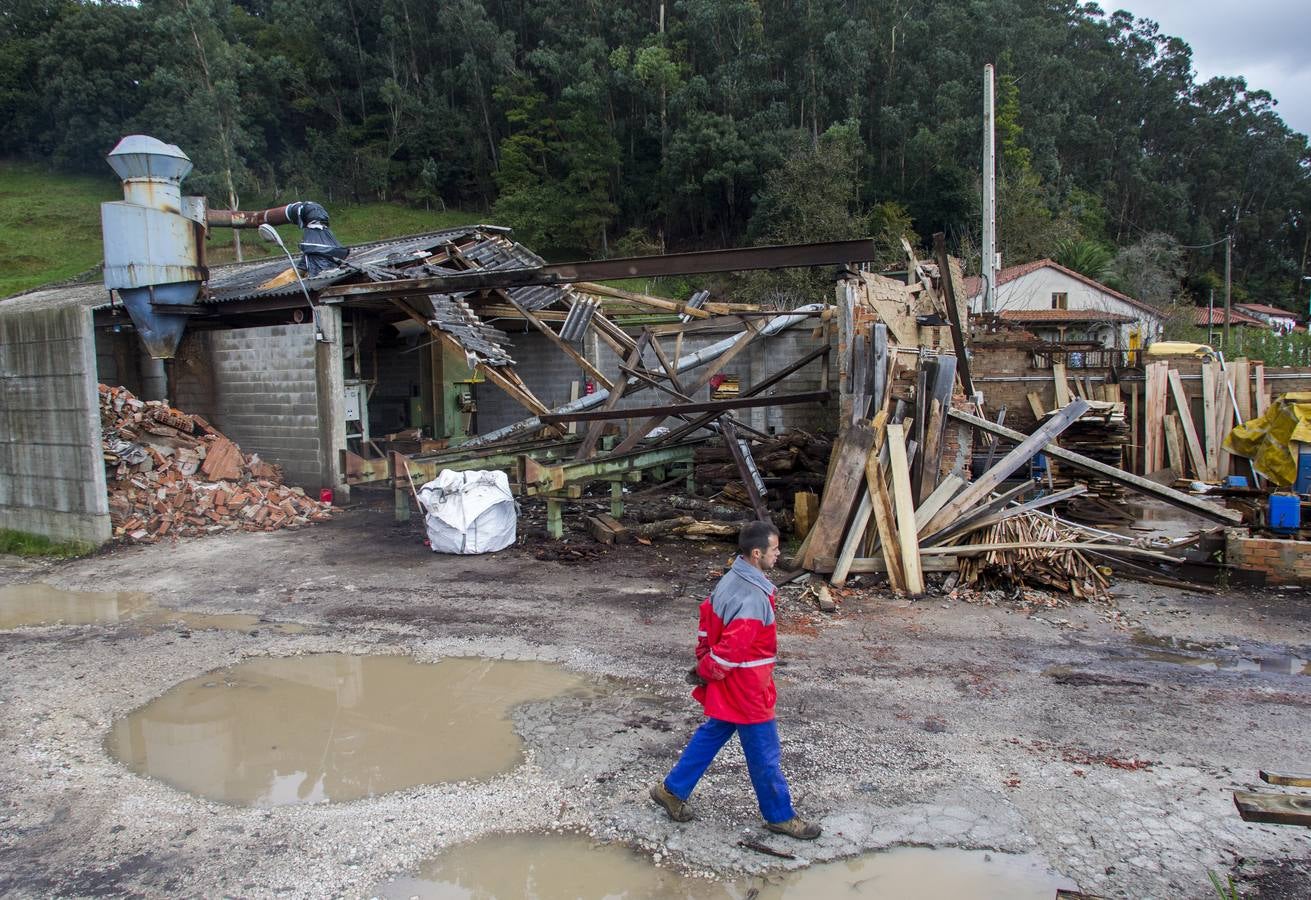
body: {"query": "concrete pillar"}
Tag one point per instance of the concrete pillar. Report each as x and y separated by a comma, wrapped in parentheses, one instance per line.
(330, 382)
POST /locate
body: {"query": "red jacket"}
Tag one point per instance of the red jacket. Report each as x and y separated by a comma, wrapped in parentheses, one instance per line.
(735, 647)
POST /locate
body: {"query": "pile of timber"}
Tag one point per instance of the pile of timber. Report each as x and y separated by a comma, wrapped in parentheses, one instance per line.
(170, 473)
(887, 507)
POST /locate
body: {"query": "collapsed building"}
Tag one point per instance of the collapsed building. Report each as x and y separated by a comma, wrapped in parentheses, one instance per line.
(381, 365)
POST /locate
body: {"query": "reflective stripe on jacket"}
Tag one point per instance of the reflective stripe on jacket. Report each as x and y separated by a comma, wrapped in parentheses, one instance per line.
(736, 644)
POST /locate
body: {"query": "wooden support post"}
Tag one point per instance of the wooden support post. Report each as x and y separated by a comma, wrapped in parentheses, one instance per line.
(1258, 384)
(616, 499)
(1210, 397)
(951, 297)
(401, 498)
(555, 517)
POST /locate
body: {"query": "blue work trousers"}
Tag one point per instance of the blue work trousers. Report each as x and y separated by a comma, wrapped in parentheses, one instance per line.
(759, 743)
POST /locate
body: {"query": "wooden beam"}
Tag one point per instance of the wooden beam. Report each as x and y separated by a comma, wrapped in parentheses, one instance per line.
(904, 505)
(1185, 412)
(1029, 445)
(593, 435)
(1210, 397)
(947, 277)
(1136, 482)
(1277, 809)
(601, 290)
(1291, 779)
(942, 494)
(877, 565)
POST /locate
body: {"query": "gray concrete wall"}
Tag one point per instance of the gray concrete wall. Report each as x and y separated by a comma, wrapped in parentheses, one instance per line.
(548, 372)
(257, 386)
(52, 476)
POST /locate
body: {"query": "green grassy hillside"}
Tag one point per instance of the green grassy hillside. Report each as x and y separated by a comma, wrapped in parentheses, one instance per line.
(50, 225)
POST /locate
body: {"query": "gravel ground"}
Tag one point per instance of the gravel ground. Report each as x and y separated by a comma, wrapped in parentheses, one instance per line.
(1002, 726)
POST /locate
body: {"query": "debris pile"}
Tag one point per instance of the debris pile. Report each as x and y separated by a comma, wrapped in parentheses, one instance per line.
(169, 473)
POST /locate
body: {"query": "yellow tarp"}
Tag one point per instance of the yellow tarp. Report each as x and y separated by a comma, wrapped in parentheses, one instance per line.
(1268, 440)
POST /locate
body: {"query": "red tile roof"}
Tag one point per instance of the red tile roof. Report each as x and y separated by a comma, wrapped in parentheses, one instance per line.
(974, 284)
(1262, 309)
(1063, 316)
(1217, 317)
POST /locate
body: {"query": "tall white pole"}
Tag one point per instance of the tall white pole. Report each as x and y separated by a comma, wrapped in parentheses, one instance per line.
(990, 263)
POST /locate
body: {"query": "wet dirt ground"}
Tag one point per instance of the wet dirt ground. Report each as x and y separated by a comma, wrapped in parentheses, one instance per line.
(1069, 734)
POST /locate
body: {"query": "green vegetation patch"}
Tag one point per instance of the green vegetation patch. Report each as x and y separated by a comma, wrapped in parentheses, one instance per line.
(22, 543)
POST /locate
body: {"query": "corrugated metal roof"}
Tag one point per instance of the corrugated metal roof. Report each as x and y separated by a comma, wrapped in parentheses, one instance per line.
(1063, 316)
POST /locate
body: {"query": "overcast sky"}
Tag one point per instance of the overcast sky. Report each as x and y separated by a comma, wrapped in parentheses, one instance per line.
(1268, 42)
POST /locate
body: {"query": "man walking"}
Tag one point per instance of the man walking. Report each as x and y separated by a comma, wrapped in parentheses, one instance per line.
(735, 650)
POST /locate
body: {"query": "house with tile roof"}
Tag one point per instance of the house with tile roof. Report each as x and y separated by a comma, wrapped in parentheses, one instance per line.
(1061, 304)
(1280, 320)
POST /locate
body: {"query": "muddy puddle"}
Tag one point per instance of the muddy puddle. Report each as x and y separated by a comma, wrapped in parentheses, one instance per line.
(1213, 657)
(192, 621)
(333, 727)
(23, 605)
(564, 867)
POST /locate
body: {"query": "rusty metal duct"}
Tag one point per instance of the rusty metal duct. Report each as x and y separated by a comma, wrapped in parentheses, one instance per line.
(321, 248)
(154, 241)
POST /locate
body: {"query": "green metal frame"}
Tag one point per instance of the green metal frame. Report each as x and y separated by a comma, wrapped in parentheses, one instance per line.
(537, 468)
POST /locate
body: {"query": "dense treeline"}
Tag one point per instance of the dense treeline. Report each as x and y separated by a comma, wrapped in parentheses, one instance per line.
(633, 124)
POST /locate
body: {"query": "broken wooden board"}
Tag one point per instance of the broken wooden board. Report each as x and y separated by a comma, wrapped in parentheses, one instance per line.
(1035, 404)
(1258, 386)
(1174, 443)
(1277, 809)
(1290, 779)
(1062, 386)
(1210, 397)
(841, 490)
(904, 506)
(1137, 482)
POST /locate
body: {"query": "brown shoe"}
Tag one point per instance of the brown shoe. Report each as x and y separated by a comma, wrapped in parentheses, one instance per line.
(677, 809)
(796, 827)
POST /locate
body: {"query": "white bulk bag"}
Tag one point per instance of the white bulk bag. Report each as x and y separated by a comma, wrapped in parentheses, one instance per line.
(469, 512)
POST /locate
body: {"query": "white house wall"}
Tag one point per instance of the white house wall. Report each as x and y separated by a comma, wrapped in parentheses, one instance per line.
(1034, 291)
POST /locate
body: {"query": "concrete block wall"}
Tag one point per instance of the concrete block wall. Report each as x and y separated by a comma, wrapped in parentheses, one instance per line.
(52, 476)
(257, 386)
(549, 372)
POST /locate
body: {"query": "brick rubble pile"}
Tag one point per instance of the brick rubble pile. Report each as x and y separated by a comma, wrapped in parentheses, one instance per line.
(169, 473)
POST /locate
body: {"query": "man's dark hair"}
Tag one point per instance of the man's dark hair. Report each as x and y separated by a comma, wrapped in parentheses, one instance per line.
(755, 536)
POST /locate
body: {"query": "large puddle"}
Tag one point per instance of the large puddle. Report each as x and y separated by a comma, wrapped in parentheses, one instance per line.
(333, 727)
(23, 605)
(564, 867)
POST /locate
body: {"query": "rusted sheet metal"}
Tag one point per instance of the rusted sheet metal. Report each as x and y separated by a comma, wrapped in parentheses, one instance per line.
(703, 262)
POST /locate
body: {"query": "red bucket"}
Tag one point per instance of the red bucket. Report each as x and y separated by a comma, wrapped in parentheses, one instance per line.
(325, 495)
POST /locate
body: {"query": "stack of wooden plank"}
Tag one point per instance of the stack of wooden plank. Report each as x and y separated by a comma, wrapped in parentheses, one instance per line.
(169, 473)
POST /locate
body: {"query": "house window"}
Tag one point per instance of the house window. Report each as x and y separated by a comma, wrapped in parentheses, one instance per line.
(1060, 300)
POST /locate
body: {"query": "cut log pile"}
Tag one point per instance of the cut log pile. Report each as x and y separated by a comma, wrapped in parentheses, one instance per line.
(169, 473)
